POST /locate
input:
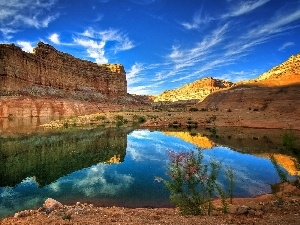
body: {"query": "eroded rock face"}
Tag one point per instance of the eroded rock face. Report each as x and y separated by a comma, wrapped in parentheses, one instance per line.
(48, 72)
(285, 73)
(22, 107)
(197, 90)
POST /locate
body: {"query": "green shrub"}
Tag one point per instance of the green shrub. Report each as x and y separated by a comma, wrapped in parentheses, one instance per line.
(100, 117)
(192, 183)
(138, 119)
(120, 120)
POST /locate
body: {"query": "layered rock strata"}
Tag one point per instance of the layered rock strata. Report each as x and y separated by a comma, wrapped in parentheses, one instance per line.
(49, 72)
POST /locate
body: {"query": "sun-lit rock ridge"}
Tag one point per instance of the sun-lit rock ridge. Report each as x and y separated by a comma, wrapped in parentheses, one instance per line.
(272, 98)
(198, 89)
(285, 73)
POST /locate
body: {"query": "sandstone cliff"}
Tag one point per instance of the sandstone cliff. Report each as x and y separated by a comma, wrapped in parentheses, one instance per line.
(48, 72)
(198, 90)
(49, 83)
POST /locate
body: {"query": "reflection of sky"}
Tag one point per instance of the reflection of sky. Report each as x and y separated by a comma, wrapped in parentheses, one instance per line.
(133, 180)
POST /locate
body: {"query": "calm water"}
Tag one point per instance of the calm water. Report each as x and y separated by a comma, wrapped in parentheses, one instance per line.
(111, 167)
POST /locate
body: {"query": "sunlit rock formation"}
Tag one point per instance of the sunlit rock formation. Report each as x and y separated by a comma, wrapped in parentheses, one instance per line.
(285, 73)
(197, 90)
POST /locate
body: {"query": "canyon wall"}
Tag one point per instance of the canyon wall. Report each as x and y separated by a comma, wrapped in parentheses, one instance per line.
(49, 72)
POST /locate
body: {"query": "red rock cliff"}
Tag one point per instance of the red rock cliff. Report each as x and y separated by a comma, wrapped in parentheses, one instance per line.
(50, 72)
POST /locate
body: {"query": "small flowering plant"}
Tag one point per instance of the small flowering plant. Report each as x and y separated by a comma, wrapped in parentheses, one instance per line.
(192, 184)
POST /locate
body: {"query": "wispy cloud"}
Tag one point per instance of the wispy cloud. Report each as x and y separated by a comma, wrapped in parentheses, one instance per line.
(243, 7)
(197, 21)
(95, 43)
(133, 74)
(182, 59)
(221, 48)
(285, 45)
(16, 15)
(276, 25)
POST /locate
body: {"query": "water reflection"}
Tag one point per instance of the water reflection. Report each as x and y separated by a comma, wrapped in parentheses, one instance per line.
(85, 166)
(46, 157)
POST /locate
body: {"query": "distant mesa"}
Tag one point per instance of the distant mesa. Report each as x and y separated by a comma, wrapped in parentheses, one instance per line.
(197, 90)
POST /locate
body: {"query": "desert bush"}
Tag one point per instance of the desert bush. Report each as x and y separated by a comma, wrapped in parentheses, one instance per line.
(175, 124)
(211, 119)
(191, 123)
(100, 117)
(193, 109)
(193, 184)
(138, 119)
(120, 120)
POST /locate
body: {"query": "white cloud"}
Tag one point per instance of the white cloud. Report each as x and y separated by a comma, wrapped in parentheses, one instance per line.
(198, 20)
(276, 25)
(94, 182)
(244, 7)
(16, 15)
(221, 47)
(95, 43)
(142, 90)
(285, 45)
(133, 73)
(26, 46)
(124, 45)
(196, 23)
(54, 38)
(183, 59)
(94, 49)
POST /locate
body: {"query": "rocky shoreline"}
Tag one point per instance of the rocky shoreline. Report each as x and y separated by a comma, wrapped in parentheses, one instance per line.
(279, 208)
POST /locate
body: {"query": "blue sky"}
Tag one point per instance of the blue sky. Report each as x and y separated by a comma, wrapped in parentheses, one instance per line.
(162, 44)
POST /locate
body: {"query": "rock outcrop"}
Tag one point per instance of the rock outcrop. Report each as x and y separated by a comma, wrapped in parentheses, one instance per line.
(277, 89)
(285, 73)
(274, 96)
(48, 72)
(197, 90)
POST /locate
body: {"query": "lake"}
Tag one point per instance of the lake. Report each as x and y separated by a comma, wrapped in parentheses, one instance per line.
(117, 167)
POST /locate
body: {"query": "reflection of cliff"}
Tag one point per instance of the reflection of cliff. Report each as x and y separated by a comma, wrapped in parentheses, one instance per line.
(260, 142)
(50, 156)
(287, 162)
(197, 139)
